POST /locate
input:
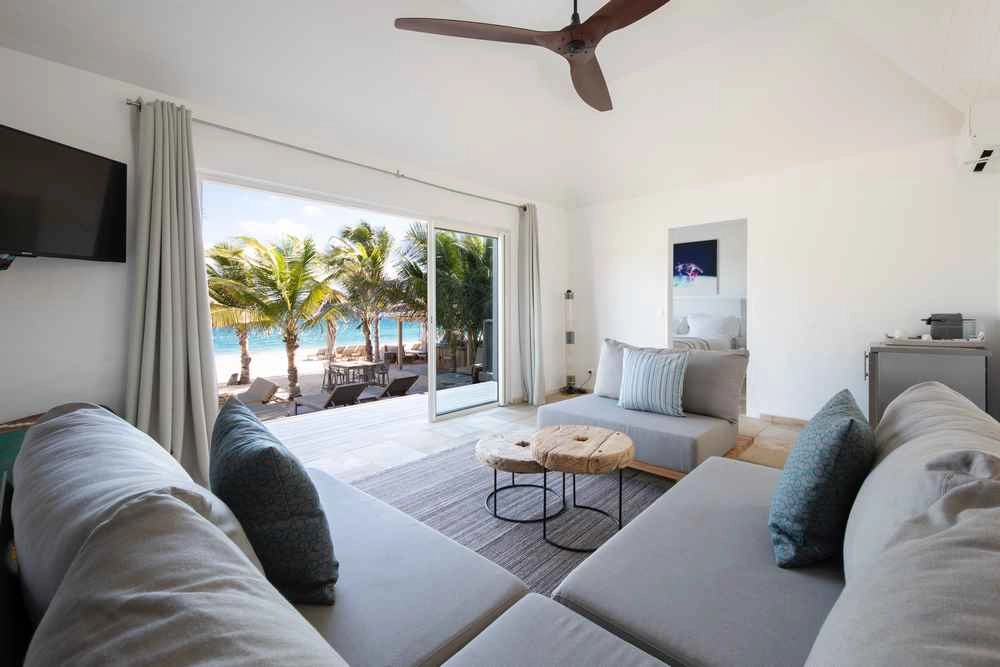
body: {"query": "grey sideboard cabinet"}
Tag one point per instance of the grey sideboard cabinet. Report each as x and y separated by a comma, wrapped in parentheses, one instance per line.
(892, 369)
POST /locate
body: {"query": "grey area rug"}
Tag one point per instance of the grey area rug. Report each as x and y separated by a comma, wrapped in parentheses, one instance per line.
(446, 491)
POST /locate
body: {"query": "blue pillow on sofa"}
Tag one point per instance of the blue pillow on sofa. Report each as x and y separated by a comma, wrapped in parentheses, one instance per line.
(825, 469)
(271, 494)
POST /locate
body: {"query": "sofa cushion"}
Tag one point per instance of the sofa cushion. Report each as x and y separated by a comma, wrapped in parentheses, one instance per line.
(608, 382)
(409, 595)
(931, 596)
(275, 500)
(713, 383)
(76, 467)
(653, 382)
(538, 631)
(678, 443)
(919, 426)
(692, 579)
(157, 584)
(822, 475)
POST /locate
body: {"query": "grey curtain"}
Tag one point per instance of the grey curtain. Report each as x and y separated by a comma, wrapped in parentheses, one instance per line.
(529, 306)
(171, 386)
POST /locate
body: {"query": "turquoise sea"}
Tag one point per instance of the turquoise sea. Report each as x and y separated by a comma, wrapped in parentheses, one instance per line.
(348, 333)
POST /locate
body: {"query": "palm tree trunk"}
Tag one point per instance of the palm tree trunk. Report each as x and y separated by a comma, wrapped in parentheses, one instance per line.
(331, 339)
(366, 329)
(291, 344)
(244, 336)
(378, 337)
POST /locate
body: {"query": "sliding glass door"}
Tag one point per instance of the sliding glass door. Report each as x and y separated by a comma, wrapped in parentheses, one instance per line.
(466, 320)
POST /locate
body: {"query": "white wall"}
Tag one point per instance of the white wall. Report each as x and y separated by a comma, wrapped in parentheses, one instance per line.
(839, 253)
(64, 324)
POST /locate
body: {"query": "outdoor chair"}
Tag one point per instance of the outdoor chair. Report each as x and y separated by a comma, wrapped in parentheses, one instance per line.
(381, 374)
(261, 391)
(345, 394)
(397, 387)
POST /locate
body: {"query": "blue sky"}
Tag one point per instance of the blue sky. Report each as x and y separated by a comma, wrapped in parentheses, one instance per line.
(230, 210)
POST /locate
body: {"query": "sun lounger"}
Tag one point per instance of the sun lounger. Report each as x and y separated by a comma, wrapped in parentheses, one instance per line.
(345, 394)
(397, 387)
(261, 391)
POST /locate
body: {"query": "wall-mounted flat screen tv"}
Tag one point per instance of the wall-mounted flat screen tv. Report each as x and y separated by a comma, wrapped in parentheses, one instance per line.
(58, 201)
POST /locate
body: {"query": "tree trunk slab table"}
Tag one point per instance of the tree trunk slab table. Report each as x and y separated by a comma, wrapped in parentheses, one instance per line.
(586, 450)
(512, 454)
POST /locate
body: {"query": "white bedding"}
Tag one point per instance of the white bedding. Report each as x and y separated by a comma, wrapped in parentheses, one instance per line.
(693, 343)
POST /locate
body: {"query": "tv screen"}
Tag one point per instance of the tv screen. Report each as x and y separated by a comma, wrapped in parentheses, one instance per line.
(58, 201)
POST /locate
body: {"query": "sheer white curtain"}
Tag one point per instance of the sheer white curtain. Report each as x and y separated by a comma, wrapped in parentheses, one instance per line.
(529, 306)
(171, 386)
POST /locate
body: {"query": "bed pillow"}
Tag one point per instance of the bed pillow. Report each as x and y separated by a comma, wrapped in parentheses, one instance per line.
(157, 584)
(653, 382)
(608, 382)
(822, 475)
(77, 465)
(273, 497)
(712, 326)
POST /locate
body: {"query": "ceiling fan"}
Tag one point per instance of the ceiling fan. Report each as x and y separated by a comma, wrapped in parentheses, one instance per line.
(576, 42)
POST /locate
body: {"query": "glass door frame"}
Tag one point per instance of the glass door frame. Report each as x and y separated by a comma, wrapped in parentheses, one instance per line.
(502, 244)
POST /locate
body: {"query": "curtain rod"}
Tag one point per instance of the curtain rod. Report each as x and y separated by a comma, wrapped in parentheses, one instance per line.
(137, 103)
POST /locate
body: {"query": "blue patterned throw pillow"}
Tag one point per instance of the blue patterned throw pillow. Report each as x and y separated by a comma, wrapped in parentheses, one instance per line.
(271, 494)
(653, 381)
(824, 471)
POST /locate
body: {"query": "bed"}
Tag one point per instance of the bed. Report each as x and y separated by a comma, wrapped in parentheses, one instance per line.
(708, 323)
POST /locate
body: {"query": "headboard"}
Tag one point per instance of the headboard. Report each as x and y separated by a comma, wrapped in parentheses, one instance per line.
(722, 306)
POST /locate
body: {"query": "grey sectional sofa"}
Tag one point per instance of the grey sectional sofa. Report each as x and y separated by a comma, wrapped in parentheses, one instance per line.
(691, 581)
(668, 446)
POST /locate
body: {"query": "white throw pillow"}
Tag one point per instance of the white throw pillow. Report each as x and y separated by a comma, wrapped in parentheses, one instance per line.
(701, 325)
(608, 382)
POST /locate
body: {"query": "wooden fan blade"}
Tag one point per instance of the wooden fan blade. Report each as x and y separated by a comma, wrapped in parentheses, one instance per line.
(473, 30)
(588, 79)
(618, 14)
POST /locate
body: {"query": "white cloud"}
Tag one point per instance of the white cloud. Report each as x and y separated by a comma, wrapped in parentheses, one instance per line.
(312, 210)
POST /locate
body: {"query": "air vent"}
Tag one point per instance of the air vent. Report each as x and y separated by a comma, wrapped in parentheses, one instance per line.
(983, 161)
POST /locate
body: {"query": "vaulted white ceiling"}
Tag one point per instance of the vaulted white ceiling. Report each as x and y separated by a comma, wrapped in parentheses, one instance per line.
(704, 90)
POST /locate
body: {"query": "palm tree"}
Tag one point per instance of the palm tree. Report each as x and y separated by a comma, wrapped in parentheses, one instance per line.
(360, 258)
(290, 289)
(411, 271)
(226, 266)
(476, 292)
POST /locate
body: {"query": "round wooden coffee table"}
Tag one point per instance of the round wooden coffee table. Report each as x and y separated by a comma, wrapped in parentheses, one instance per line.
(586, 450)
(511, 453)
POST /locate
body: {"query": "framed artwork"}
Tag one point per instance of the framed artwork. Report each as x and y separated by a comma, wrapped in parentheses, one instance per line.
(696, 268)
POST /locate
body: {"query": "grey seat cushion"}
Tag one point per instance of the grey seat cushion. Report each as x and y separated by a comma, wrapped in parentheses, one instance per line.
(538, 631)
(157, 584)
(931, 597)
(407, 595)
(923, 423)
(75, 468)
(678, 443)
(692, 580)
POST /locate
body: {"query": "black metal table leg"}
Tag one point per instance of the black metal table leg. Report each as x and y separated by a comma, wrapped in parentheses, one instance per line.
(493, 498)
(576, 505)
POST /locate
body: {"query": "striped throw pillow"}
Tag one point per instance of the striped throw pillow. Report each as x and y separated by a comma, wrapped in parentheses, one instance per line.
(653, 381)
